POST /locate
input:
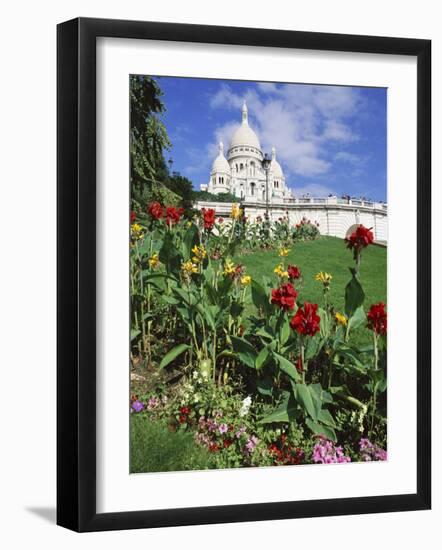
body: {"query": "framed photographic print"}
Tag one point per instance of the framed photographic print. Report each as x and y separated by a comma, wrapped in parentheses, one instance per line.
(239, 213)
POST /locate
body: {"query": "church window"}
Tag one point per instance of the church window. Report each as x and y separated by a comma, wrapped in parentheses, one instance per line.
(241, 166)
(252, 189)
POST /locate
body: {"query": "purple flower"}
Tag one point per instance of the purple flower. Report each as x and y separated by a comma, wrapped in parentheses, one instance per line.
(137, 406)
(324, 452)
(251, 444)
(240, 432)
(153, 403)
(369, 451)
(223, 428)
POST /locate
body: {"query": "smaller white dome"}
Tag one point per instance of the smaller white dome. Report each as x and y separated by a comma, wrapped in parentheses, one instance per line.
(275, 167)
(220, 164)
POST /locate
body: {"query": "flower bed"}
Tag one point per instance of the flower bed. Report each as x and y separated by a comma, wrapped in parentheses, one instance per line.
(252, 369)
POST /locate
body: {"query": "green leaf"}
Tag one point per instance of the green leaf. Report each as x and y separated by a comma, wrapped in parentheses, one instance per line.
(244, 350)
(320, 429)
(305, 397)
(134, 333)
(326, 418)
(354, 296)
(325, 323)
(189, 241)
(357, 319)
(285, 331)
(262, 357)
(260, 297)
(172, 354)
(265, 386)
(236, 308)
(287, 366)
(313, 346)
(286, 412)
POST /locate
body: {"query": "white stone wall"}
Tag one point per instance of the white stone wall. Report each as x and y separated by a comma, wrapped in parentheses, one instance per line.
(335, 218)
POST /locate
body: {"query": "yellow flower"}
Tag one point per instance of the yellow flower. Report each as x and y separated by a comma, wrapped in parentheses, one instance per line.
(323, 277)
(199, 253)
(154, 260)
(189, 267)
(283, 252)
(279, 270)
(246, 280)
(236, 212)
(229, 268)
(136, 231)
(341, 319)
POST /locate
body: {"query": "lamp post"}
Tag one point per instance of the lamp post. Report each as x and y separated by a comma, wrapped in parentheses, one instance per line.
(266, 165)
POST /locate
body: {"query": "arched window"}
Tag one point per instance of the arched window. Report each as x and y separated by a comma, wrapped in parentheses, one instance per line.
(252, 189)
(252, 168)
(241, 166)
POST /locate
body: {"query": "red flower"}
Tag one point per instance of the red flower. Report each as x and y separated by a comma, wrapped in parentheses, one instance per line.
(360, 238)
(155, 210)
(294, 272)
(182, 419)
(213, 447)
(306, 321)
(184, 410)
(284, 296)
(133, 216)
(220, 220)
(208, 218)
(227, 443)
(173, 215)
(377, 318)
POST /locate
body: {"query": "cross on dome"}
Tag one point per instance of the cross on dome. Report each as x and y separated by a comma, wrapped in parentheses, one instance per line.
(244, 113)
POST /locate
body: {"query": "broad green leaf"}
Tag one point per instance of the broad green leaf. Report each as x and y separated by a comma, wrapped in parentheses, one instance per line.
(313, 346)
(265, 386)
(320, 429)
(286, 412)
(305, 397)
(260, 297)
(262, 357)
(287, 366)
(357, 319)
(285, 331)
(244, 350)
(172, 354)
(354, 296)
(326, 418)
(189, 241)
(323, 395)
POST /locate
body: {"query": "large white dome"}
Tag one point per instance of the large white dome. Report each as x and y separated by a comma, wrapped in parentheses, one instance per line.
(220, 164)
(244, 135)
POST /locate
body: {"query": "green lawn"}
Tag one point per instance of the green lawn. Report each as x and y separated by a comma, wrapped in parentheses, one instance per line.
(154, 448)
(327, 254)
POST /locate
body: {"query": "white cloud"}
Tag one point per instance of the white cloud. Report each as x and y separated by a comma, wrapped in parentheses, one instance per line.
(300, 121)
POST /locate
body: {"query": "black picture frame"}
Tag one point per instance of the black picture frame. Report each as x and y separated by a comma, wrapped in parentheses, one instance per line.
(76, 274)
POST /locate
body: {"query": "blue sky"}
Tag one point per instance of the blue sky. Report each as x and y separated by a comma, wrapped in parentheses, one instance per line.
(328, 139)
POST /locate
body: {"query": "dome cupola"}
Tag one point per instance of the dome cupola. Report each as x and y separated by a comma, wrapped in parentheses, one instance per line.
(275, 167)
(244, 136)
(220, 164)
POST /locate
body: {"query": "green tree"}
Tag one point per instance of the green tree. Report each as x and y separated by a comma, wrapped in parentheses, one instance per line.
(148, 139)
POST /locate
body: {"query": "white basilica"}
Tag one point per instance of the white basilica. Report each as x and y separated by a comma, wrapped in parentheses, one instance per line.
(242, 173)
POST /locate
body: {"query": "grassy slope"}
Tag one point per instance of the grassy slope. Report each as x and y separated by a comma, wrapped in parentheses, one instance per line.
(327, 254)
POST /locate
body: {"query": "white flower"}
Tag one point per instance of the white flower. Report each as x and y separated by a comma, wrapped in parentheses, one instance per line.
(195, 374)
(245, 406)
